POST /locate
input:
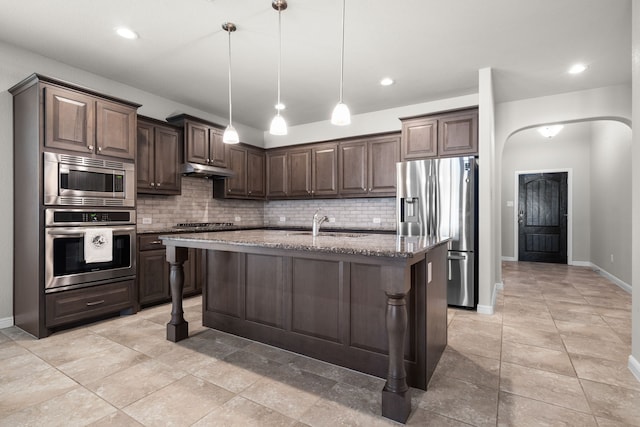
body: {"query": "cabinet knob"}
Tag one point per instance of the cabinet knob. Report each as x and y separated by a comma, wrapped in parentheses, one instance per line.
(99, 148)
(90, 147)
(152, 184)
(157, 184)
(208, 160)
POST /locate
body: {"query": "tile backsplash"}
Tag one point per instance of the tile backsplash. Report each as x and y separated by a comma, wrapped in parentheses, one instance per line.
(196, 204)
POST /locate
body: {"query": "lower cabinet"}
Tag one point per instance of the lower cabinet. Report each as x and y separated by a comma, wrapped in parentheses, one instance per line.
(153, 271)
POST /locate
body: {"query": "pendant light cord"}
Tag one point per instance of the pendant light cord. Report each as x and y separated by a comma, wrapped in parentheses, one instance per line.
(342, 55)
(279, 55)
(230, 106)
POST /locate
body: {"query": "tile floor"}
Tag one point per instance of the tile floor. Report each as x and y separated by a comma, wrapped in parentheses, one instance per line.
(554, 353)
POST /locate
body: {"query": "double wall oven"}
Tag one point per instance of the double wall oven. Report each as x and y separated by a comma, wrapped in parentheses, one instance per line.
(86, 195)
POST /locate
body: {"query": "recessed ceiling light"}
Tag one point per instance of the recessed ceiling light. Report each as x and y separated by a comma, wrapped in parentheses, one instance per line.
(126, 33)
(577, 68)
(387, 81)
(550, 131)
(280, 106)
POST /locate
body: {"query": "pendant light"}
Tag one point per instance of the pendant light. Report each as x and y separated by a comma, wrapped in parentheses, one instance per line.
(278, 125)
(230, 135)
(341, 115)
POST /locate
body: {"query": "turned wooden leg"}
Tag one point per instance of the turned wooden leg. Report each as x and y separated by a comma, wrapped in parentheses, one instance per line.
(396, 397)
(177, 328)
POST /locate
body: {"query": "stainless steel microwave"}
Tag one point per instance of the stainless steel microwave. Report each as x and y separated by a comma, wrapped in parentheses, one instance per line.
(84, 181)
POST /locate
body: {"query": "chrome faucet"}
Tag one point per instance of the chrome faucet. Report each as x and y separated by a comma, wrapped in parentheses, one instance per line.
(317, 220)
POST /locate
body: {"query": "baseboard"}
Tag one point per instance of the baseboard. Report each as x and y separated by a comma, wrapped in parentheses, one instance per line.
(634, 367)
(582, 264)
(485, 309)
(509, 258)
(489, 309)
(499, 287)
(621, 284)
(6, 322)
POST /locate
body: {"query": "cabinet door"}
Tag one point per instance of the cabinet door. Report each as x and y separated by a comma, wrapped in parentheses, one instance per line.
(144, 158)
(353, 168)
(153, 276)
(384, 153)
(69, 120)
(115, 130)
(458, 134)
(255, 173)
(237, 184)
(419, 138)
(300, 173)
(166, 155)
(277, 176)
(324, 170)
(197, 143)
(217, 148)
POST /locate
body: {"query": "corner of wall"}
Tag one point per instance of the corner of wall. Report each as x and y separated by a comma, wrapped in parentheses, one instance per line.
(634, 367)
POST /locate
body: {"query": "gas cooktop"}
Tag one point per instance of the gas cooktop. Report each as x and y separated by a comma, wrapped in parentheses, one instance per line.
(200, 226)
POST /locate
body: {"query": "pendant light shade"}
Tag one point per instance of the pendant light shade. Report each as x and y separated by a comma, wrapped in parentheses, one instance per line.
(278, 125)
(230, 135)
(341, 115)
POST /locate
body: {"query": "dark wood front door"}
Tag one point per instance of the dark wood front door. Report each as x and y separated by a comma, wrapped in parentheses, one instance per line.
(542, 217)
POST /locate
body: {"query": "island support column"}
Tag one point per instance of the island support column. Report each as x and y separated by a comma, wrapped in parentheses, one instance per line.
(177, 328)
(396, 396)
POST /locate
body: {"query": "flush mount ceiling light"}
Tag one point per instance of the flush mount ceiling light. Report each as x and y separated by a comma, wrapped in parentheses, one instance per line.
(126, 33)
(341, 115)
(278, 125)
(230, 135)
(387, 81)
(550, 131)
(577, 68)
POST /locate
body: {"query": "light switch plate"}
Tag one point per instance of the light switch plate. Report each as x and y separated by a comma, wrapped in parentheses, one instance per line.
(147, 220)
(283, 219)
(509, 203)
(376, 220)
(237, 219)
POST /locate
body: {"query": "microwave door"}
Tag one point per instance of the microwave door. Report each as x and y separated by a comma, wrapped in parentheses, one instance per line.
(84, 181)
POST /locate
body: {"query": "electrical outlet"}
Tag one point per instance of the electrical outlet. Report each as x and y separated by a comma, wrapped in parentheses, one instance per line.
(283, 219)
(376, 220)
(332, 220)
(147, 220)
(611, 258)
(237, 219)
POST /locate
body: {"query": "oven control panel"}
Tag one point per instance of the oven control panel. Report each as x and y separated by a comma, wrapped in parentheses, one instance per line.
(66, 217)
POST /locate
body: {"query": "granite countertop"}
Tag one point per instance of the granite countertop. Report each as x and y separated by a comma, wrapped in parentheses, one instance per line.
(174, 229)
(367, 244)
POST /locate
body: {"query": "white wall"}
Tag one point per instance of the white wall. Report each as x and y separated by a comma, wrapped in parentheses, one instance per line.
(568, 151)
(610, 179)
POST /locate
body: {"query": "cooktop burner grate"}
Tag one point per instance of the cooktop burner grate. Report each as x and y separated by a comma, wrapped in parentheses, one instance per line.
(203, 224)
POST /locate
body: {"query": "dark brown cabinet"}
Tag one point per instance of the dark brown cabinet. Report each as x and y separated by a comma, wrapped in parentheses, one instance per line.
(76, 121)
(299, 166)
(277, 174)
(367, 166)
(157, 158)
(324, 170)
(440, 135)
(248, 180)
(153, 271)
(202, 141)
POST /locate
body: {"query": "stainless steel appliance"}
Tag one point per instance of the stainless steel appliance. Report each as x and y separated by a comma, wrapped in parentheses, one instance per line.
(438, 197)
(85, 181)
(65, 266)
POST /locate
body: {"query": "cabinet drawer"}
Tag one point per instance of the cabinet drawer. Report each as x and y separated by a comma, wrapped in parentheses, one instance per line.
(79, 304)
(149, 242)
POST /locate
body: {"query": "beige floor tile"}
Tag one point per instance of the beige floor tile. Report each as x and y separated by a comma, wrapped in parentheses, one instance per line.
(14, 368)
(549, 387)
(420, 417)
(581, 318)
(604, 371)
(478, 370)
(613, 402)
(77, 407)
(601, 333)
(99, 365)
(181, 403)
(116, 419)
(610, 301)
(461, 401)
(240, 412)
(226, 375)
(521, 411)
(328, 413)
(59, 349)
(128, 385)
(33, 388)
(529, 336)
(604, 422)
(470, 342)
(4, 338)
(614, 351)
(541, 322)
(281, 397)
(273, 353)
(537, 357)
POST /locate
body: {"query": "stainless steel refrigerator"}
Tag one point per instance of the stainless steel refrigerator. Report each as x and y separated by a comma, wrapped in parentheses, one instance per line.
(438, 197)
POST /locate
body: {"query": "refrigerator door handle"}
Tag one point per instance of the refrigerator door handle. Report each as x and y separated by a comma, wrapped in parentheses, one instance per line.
(456, 257)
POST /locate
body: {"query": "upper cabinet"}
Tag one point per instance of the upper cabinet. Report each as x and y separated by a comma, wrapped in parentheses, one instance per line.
(82, 122)
(367, 166)
(248, 180)
(202, 141)
(157, 158)
(440, 135)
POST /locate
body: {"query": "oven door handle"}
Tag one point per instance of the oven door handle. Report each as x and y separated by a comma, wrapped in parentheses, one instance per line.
(65, 233)
(79, 231)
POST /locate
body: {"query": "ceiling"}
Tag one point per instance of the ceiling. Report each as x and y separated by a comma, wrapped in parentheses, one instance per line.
(433, 49)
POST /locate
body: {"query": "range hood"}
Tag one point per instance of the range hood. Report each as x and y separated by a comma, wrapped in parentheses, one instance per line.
(205, 171)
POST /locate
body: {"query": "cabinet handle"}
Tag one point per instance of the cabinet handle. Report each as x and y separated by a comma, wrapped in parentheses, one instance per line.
(90, 147)
(155, 242)
(152, 184)
(90, 304)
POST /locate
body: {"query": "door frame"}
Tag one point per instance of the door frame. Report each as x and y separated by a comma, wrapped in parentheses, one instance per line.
(569, 172)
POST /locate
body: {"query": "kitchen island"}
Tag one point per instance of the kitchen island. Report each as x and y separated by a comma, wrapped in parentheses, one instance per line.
(375, 303)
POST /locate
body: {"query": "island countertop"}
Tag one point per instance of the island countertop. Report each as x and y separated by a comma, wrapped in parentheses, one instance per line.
(364, 244)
